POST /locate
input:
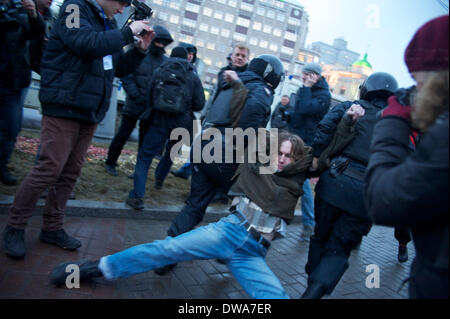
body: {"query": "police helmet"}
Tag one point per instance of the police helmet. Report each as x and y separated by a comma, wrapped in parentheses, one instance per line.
(269, 67)
(378, 85)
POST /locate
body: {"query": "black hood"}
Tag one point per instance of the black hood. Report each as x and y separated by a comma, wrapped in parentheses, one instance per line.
(190, 48)
(162, 34)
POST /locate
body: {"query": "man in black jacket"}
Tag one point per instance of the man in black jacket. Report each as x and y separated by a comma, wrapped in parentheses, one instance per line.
(313, 102)
(278, 119)
(81, 59)
(163, 121)
(340, 215)
(136, 86)
(15, 75)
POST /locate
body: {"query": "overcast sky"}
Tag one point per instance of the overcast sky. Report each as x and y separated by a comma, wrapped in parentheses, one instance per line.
(383, 28)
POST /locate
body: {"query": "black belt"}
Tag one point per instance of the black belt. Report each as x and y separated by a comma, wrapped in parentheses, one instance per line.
(255, 234)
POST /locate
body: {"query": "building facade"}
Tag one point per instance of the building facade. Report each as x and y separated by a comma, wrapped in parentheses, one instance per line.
(214, 26)
(335, 54)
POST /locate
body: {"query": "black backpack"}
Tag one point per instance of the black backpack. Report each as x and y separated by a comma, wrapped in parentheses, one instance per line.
(170, 90)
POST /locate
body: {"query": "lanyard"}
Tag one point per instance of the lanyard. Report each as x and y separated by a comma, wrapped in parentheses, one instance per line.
(105, 21)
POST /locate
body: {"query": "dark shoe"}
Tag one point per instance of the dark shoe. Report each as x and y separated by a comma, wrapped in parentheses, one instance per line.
(111, 170)
(179, 174)
(164, 270)
(136, 203)
(402, 253)
(221, 261)
(159, 184)
(72, 196)
(13, 242)
(60, 238)
(314, 291)
(88, 270)
(7, 179)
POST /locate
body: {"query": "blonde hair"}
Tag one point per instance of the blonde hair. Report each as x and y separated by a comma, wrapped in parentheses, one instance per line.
(431, 101)
(242, 46)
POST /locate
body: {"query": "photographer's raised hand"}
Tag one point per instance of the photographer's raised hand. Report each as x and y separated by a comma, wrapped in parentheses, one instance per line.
(355, 112)
(30, 7)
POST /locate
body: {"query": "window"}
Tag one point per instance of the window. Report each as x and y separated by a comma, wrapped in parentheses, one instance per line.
(174, 19)
(243, 22)
(294, 22)
(277, 32)
(253, 41)
(239, 37)
(174, 5)
(225, 33)
(261, 11)
(218, 15)
(163, 16)
(207, 61)
(207, 11)
(192, 7)
(286, 50)
(281, 17)
(200, 43)
(229, 18)
(232, 3)
(263, 44)
(247, 7)
(221, 1)
(273, 47)
(270, 14)
(267, 29)
(160, 2)
(290, 36)
(214, 30)
(189, 22)
(211, 46)
(257, 26)
(203, 27)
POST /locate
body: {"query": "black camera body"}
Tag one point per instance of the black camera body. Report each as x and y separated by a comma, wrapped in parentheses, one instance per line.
(140, 12)
(7, 21)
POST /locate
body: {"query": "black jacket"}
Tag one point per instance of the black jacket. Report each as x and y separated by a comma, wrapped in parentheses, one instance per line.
(137, 84)
(411, 190)
(310, 107)
(37, 45)
(74, 83)
(15, 66)
(343, 191)
(279, 116)
(196, 100)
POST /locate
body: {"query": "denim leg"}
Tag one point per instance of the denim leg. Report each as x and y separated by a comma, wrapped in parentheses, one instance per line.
(216, 240)
(165, 163)
(154, 141)
(11, 110)
(307, 204)
(250, 269)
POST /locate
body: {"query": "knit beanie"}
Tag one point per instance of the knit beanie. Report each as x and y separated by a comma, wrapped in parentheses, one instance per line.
(428, 49)
(312, 67)
(179, 52)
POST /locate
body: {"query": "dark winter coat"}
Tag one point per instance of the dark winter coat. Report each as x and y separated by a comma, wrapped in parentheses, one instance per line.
(74, 83)
(196, 100)
(137, 84)
(278, 119)
(15, 65)
(311, 105)
(37, 45)
(412, 191)
(343, 191)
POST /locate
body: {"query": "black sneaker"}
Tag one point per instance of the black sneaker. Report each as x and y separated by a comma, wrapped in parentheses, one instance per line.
(60, 238)
(111, 170)
(402, 253)
(159, 184)
(136, 203)
(88, 270)
(7, 179)
(164, 270)
(13, 242)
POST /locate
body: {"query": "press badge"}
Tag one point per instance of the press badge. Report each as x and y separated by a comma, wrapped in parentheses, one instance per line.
(107, 62)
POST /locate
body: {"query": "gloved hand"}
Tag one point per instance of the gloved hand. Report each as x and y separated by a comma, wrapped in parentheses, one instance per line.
(396, 109)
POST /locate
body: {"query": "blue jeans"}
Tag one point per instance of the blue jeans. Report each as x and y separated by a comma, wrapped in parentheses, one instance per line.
(307, 203)
(165, 163)
(154, 141)
(227, 239)
(11, 112)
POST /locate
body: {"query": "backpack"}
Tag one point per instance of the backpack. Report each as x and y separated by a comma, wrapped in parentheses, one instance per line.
(170, 90)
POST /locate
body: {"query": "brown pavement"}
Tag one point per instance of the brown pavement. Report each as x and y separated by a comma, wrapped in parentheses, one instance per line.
(206, 279)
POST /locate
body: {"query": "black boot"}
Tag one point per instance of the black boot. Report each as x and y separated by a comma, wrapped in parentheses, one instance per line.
(402, 253)
(164, 270)
(314, 291)
(13, 242)
(88, 270)
(7, 179)
(60, 238)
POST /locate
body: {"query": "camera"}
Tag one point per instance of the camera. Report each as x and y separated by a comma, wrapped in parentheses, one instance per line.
(7, 10)
(140, 12)
(406, 96)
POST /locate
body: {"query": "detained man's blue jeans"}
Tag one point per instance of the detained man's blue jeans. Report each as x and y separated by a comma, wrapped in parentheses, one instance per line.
(227, 239)
(11, 112)
(307, 203)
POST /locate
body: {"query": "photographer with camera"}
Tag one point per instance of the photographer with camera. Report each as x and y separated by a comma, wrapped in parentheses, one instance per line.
(340, 215)
(278, 119)
(82, 57)
(19, 23)
(411, 189)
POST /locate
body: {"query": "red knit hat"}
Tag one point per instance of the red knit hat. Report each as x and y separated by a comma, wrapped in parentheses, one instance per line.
(428, 49)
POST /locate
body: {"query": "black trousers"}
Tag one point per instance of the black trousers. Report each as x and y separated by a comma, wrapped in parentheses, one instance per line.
(127, 126)
(336, 233)
(402, 235)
